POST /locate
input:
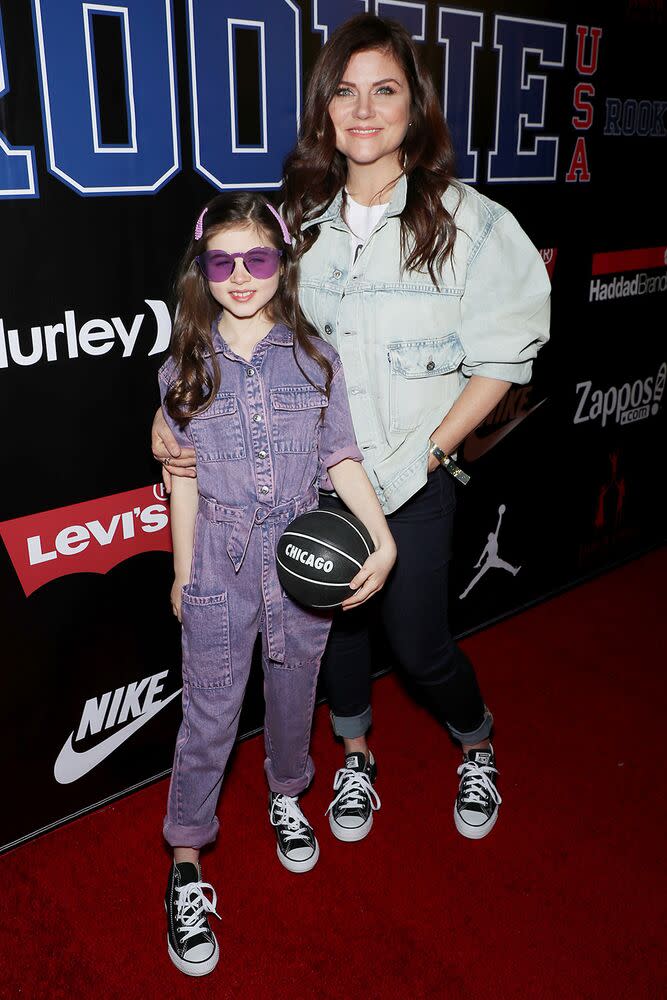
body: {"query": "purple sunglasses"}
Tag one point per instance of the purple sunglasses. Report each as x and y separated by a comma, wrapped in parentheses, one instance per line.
(260, 262)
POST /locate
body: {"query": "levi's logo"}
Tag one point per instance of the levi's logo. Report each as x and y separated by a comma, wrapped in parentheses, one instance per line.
(90, 537)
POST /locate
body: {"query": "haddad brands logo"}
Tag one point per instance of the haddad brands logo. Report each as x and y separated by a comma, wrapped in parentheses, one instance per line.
(124, 710)
(514, 407)
(548, 255)
(68, 339)
(624, 404)
(90, 537)
(621, 261)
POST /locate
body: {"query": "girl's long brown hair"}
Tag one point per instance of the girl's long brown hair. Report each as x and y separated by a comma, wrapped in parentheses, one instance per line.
(196, 383)
(315, 171)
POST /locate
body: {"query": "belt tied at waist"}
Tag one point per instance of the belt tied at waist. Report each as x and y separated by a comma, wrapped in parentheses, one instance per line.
(245, 518)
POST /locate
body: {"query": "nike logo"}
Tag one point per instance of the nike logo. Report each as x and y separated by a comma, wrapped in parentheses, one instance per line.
(476, 446)
(72, 765)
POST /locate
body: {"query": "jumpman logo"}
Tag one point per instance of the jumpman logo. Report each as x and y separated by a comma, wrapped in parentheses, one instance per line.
(489, 558)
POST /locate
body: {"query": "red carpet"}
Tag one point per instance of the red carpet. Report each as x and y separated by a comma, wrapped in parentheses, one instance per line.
(563, 900)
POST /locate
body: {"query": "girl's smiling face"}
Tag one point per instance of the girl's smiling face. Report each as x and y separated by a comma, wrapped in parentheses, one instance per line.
(241, 294)
(371, 108)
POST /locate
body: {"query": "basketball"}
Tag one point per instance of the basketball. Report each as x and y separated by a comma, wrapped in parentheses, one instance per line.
(319, 553)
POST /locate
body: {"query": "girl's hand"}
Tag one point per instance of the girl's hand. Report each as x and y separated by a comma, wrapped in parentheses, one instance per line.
(177, 586)
(166, 450)
(372, 575)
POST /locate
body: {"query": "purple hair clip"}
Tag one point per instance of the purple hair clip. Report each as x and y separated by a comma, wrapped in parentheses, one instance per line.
(283, 227)
(199, 226)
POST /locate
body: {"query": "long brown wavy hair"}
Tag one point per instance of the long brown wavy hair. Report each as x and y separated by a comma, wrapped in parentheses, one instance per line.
(196, 383)
(315, 171)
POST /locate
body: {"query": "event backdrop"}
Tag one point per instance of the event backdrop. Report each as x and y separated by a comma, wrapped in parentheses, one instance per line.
(116, 123)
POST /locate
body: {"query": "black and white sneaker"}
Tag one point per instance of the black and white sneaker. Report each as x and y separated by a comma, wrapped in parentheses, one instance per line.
(296, 845)
(190, 941)
(476, 807)
(351, 811)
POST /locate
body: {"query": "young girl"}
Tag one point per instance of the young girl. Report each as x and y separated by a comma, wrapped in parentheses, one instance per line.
(263, 401)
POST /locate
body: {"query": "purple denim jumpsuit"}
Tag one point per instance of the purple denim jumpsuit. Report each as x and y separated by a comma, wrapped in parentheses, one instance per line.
(261, 451)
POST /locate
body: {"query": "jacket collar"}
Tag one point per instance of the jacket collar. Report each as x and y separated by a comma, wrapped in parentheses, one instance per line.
(279, 335)
(332, 212)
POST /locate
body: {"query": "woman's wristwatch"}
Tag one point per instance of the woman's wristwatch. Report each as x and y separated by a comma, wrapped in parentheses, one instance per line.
(448, 463)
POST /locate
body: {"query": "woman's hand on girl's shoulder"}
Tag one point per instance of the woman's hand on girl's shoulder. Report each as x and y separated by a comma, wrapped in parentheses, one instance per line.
(176, 596)
(373, 574)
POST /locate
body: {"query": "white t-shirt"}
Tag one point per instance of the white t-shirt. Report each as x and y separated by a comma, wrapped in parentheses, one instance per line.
(361, 220)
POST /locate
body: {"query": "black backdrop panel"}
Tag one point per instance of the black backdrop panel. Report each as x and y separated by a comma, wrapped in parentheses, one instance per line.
(116, 123)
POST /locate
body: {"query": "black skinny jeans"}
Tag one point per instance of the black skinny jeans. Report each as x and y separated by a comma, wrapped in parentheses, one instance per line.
(413, 613)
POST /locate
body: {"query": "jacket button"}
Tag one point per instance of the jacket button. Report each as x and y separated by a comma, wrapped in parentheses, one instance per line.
(261, 454)
(249, 372)
(256, 418)
(264, 489)
(328, 329)
(338, 274)
(430, 366)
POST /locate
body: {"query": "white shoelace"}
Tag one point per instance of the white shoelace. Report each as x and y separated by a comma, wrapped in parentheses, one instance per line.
(477, 785)
(353, 787)
(285, 812)
(192, 906)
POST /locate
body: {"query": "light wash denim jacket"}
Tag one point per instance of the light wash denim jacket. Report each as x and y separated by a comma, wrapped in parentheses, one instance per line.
(408, 348)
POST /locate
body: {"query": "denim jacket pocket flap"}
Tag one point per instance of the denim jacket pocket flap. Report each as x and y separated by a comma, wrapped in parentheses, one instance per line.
(423, 358)
(297, 397)
(223, 405)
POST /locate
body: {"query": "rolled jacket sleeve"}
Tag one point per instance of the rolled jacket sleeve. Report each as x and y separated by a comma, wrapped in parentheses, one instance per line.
(505, 305)
(165, 378)
(337, 438)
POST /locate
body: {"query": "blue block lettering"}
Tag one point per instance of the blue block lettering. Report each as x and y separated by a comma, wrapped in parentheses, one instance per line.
(69, 88)
(520, 154)
(329, 14)
(18, 178)
(460, 32)
(218, 155)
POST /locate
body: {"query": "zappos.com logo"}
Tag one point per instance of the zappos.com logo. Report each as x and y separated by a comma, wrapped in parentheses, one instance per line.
(69, 339)
(621, 404)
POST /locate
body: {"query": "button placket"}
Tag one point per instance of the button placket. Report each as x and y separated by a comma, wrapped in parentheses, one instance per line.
(258, 428)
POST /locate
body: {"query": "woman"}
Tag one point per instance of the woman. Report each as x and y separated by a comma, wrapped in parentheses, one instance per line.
(437, 302)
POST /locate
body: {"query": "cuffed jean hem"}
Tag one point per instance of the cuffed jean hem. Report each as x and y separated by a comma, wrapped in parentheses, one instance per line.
(291, 786)
(190, 836)
(350, 727)
(482, 732)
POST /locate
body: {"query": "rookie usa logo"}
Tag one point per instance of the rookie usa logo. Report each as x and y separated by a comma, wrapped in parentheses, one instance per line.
(90, 537)
(70, 338)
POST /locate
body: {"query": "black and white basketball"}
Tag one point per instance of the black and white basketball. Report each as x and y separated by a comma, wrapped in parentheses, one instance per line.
(319, 553)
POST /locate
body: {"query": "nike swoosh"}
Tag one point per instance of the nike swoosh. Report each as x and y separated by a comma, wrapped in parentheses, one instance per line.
(475, 446)
(72, 765)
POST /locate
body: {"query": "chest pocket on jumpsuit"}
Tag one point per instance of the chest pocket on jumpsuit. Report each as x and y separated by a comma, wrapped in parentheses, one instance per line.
(415, 382)
(217, 432)
(295, 415)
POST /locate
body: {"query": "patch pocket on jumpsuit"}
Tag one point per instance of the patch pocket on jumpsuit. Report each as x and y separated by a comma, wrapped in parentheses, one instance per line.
(414, 386)
(295, 414)
(217, 432)
(206, 652)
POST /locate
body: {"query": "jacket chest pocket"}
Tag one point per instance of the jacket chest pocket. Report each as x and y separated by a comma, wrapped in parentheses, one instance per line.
(217, 432)
(295, 415)
(415, 379)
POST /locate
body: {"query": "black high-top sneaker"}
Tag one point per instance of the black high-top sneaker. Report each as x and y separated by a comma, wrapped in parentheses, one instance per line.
(476, 806)
(191, 943)
(351, 811)
(296, 845)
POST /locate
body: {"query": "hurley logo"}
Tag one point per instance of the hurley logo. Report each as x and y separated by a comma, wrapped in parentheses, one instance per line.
(68, 339)
(89, 537)
(129, 707)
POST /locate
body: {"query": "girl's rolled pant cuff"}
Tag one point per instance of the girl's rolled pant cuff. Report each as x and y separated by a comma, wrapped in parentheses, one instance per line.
(289, 786)
(190, 836)
(350, 727)
(482, 732)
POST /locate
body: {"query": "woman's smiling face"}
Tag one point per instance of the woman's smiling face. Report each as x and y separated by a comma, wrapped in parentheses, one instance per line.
(370, 110)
